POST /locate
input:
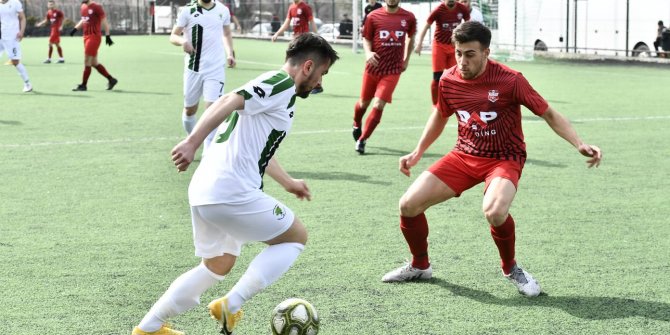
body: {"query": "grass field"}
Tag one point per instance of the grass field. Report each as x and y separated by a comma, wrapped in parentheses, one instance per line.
(94, 219)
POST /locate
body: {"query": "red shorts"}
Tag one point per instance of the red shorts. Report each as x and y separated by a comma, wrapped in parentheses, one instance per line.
(54, 38)
(461, 171)
(91, 45)
(380, 87)
(444, 56)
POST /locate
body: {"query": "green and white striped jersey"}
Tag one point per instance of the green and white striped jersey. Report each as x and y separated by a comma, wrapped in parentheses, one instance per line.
(204, 29)
(231, 171)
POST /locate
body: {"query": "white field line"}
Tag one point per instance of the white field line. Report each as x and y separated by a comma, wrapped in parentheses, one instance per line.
(305, 132)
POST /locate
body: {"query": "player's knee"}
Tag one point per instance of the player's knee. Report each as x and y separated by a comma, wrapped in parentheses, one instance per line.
(15, 62)
(495, 215)
(300, 232)
(191, 110)
(220, 265)
(408, 208)
(379, 105)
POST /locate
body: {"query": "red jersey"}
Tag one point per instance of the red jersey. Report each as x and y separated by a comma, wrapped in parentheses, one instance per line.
(300, 14)
(388, 33)
(489, 110)
(92, 14)
(447, 19)
(55, 18)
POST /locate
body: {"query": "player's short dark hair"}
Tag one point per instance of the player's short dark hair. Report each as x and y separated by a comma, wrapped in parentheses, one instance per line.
(471, 31)
(310, 45)
(660, 23)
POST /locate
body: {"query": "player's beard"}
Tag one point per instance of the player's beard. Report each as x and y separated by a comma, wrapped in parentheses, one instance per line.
(392, 6)
(303, 91)
(206, 1)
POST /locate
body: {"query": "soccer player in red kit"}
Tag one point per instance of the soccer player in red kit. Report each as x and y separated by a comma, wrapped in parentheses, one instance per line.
(299, 17)
(486, 99)
(447, 16)
(55, 18)
(92, 19)
(388, 40)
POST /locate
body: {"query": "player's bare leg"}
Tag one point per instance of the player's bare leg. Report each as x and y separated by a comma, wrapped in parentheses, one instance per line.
(266, 268)
(426, 191)
(496, 204)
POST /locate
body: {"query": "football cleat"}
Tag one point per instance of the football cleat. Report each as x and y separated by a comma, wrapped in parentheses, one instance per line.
(47, 61)
(61, 61)
(408, 273)
(218, 309)
(360, 146)
(357, 132)
(524, 282)
(80, 87)
(112, 82)
(164, 330)
(27, 87)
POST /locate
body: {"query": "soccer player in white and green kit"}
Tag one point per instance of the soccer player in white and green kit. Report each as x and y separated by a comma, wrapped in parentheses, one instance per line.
(12, 27)
(203, 31)
(228, 205)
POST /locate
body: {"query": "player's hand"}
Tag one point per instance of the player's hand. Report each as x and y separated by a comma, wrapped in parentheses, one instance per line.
(108, 40)
(405, 64)
(231, 62)
(417, 50)
(408, 161)
(19, 36)
(372, 59)
(188, 48)
(591, 151)
(300, 189)
(73, 31)
(182, 155)
(274, 37)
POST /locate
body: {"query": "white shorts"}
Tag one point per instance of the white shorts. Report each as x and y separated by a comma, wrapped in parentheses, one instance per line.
(12, 48)
(224, 228)
(208, 85)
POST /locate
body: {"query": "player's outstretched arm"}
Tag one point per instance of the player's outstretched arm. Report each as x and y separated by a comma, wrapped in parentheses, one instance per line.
(291, 185)
(228, 43)
(41, 23)
(281, 30)
(564, 129)
(431, 132)
(183, 153)
(419, 42)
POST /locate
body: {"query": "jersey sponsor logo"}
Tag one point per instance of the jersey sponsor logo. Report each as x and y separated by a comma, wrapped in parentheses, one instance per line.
(391, 38)
(493, 95)
(478, 122)
(259, 91)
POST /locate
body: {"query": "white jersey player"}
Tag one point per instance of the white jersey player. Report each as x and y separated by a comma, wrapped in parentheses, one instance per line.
(199, 30)
(12, 27)
(228, 205)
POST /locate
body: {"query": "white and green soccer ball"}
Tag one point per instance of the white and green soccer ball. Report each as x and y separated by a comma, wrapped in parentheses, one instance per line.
(294, 317)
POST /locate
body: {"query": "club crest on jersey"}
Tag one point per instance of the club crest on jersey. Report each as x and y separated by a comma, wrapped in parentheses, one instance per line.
(403, 22)
(90, 11)
(460, 16)
(299, 11)
(493, 95)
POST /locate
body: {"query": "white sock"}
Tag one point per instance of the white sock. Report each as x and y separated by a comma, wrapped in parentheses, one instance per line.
(183, 294)
(23, 72)
(208, 141)
(189, 122)
(264, 270)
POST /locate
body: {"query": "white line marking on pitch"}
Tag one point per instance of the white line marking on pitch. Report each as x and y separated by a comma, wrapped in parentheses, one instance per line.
(307, 132)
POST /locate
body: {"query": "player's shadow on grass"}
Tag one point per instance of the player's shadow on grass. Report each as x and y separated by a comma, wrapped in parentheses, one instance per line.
(51, 94)
(375, 151)
(11, 123)
(544, 163)
(141, 92)
(336, 175)
(591, 308)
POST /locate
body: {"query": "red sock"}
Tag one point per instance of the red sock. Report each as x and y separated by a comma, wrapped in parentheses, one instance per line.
(60, 52)
(87, 73)
(504, 238)
(415, 230)
(358, 115)
(433, 91)
(101, 69)
(51, 50)
(371, 123)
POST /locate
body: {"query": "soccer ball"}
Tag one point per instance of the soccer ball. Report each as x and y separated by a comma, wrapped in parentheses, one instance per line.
(294, 317)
